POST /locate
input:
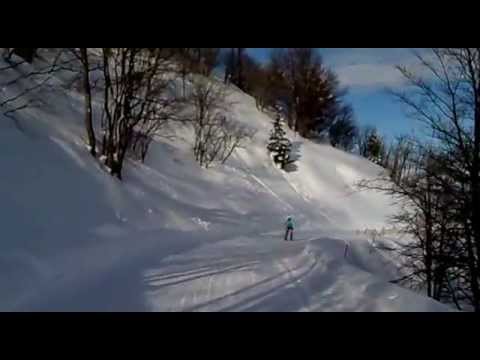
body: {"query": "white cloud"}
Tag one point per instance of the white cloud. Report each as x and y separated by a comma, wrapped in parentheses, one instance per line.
(370, 68)
(369, 76)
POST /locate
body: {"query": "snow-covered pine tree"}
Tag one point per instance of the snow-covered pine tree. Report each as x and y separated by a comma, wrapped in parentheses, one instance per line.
(279, 145)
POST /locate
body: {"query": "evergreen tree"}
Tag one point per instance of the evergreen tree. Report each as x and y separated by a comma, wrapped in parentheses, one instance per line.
(279, 145)
(375, 148)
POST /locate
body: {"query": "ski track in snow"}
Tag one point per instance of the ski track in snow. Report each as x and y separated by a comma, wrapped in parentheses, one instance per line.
(271, 192)
(289, 277)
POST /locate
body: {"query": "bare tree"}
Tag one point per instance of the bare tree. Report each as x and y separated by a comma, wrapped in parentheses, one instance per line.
(136, 82)
(216, 136)
(167, 110)
(446, 191)
(433, 261)
(399, 157)
(88, 100)
(362, 138)
(450, 106)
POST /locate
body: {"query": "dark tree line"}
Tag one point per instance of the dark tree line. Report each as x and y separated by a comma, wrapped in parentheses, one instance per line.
(343, 132)
(234, 62)
(196, 60)
(370, 144)
(296, 81)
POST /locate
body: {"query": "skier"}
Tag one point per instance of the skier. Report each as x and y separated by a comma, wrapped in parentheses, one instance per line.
(290, 225)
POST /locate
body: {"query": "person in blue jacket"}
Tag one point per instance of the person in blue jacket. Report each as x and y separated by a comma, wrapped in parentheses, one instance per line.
(290, 224)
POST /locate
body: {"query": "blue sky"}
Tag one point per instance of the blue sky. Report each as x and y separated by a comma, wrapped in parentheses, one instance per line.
(366, 72)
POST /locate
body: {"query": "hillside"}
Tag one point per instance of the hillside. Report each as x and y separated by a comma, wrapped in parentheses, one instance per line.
(175, 237)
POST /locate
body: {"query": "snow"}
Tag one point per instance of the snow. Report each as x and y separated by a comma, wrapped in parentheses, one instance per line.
(175, 237)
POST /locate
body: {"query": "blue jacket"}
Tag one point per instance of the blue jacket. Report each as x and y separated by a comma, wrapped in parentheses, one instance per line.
(290, 223)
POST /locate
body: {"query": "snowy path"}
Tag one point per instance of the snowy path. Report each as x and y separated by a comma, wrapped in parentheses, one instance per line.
(228, 277)
(234, 273)
(266, 273)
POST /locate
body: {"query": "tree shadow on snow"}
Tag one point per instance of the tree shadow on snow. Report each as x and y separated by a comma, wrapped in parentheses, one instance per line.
(295, 155)
(158, 281)
(274, 298)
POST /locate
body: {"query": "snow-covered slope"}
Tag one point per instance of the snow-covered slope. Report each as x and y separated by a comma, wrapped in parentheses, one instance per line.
(174, 236)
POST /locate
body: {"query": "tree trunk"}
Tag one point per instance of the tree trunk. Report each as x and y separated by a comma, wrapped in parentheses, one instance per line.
(184, 75)
(230, 69)
(88, 101)
(428, 239)
(240, 82)
(120, 159)
(475, 206)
